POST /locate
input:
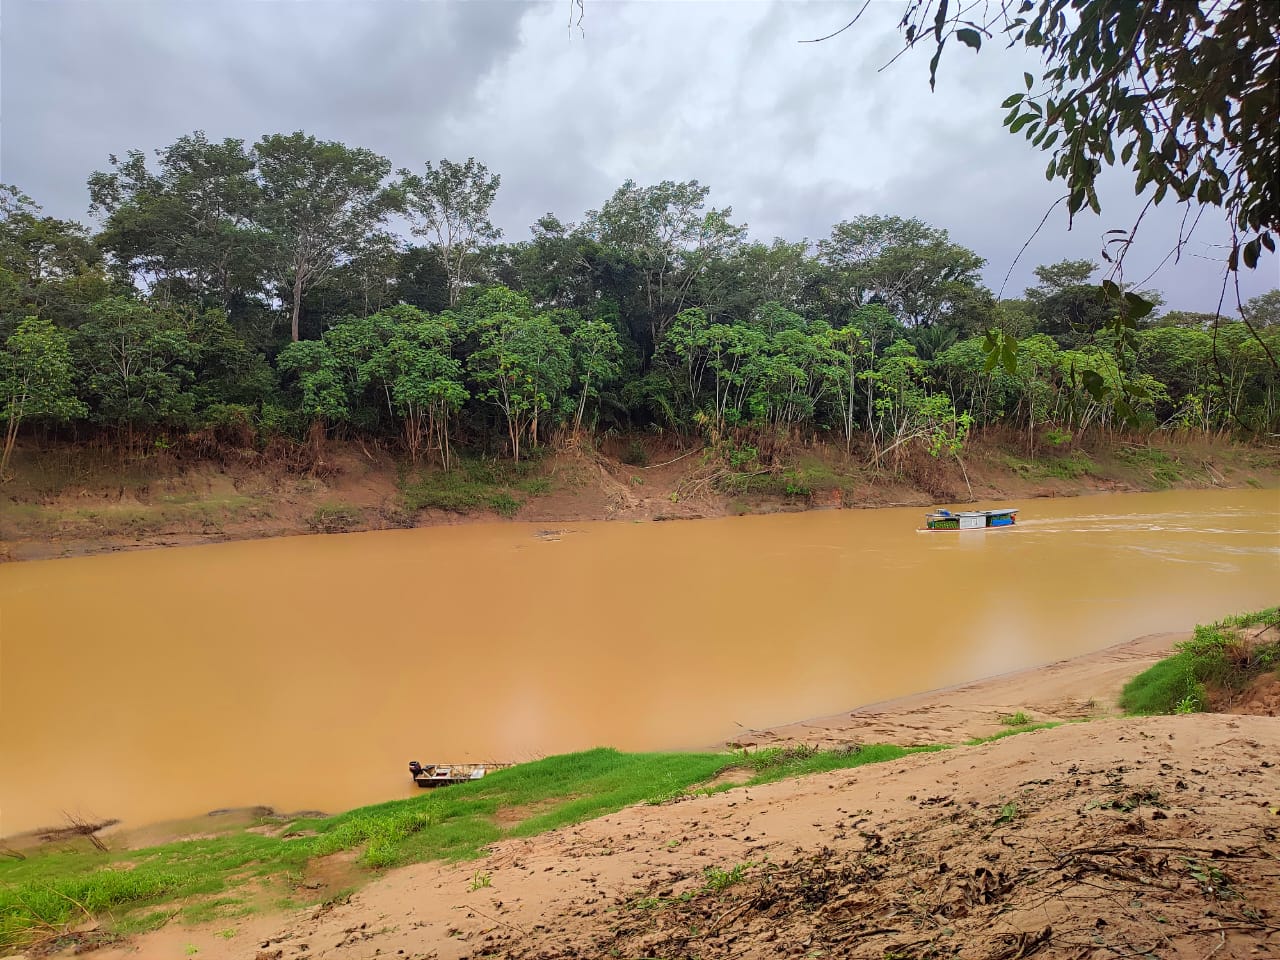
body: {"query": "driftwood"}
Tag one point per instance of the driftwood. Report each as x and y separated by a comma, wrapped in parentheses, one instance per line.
(78, 827)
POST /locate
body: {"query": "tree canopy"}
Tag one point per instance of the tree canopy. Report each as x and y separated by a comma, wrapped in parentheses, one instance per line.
(250, 294)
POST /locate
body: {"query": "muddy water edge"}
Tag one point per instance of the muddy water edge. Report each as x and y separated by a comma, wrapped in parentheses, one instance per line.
(306, 672)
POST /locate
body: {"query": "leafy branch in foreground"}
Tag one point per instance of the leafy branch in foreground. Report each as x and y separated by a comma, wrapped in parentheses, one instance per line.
(1185, 95)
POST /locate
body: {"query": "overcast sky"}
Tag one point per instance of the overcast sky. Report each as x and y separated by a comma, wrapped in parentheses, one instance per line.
(794, 136)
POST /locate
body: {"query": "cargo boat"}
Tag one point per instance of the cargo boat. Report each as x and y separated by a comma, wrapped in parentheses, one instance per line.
(969, 519)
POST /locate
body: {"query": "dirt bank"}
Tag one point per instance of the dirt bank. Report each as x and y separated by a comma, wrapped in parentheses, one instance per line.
(73, 501)
(1118, 837)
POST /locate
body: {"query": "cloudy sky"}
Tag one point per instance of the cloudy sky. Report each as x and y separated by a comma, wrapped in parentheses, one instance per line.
(794, 136)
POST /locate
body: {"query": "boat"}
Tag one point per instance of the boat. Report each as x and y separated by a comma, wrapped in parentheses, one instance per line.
(446, 774)
(970, 519)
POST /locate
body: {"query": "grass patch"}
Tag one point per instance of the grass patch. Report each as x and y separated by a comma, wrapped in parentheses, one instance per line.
(1019, 719)
(1013, 732)
(1074, 466)
(334, 518)
(475, 485)
(127, 519)
(799, 481)
(716, 879)
(1161, 470)
(1217, 657)
(779, 763)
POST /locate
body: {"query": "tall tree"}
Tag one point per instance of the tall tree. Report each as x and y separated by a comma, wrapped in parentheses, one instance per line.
(449, 204)
(187, 228)
(914, 270)
(322, 203)
(596, 355)
(420, 378)
(670, 234)
(422, 281)
(47, 265)
(1263, 310)
(523, 365)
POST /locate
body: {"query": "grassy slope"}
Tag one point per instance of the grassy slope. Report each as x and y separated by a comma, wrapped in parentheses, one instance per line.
(1213, 658)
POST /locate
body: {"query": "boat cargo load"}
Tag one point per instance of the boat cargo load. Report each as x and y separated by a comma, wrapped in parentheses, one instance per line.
(970, 519)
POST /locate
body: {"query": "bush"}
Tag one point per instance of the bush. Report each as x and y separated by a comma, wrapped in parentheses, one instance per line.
(635, 455)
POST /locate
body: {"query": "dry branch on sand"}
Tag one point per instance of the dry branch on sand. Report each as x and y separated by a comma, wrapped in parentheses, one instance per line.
(78, 826)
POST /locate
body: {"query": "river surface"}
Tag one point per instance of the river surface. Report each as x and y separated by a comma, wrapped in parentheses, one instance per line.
(305, 672)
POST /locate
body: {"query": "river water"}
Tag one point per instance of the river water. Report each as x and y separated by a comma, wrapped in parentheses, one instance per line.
(306, 672)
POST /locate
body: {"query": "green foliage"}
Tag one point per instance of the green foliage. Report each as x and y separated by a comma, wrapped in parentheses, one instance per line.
(716, 879)
(1018, 719)
(475, 485)
(1167, 90)
(523, 365)
(1162, 470)
(137, 361)
(1214, 658)
(450, 204)
(1008, 813)
(277, 303)
(36, 380)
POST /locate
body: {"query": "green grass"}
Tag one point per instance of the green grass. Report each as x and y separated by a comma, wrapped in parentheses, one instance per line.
(1071, 466)
(800, 480)
(335, 518)
(1214, 658)
(1013, 732)
(1019, 719)
(779, 763)
(1157, 466)
(475, 485)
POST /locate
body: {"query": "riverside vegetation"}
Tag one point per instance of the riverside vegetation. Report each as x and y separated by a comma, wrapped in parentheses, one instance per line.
(248, 299)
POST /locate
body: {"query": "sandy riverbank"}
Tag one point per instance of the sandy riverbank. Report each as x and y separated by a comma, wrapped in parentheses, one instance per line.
(1113, 837)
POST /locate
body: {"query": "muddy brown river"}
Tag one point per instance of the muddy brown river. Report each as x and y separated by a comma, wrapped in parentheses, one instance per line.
(306, 672)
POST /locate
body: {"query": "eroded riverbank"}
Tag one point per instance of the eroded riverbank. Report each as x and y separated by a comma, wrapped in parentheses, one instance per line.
(76, 502)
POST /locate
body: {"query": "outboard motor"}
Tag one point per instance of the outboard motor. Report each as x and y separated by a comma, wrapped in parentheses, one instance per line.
(415, 768)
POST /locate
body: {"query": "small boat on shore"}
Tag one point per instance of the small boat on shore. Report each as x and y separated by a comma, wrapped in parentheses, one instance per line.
(969, 519)
(446, 774)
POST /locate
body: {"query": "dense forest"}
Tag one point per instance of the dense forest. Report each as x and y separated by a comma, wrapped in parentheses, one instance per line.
(243, 294)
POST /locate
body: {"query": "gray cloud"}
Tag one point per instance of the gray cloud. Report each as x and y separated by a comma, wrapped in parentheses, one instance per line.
(794, 136)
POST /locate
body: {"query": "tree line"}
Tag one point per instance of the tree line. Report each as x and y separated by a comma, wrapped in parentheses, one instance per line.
(296, 287)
